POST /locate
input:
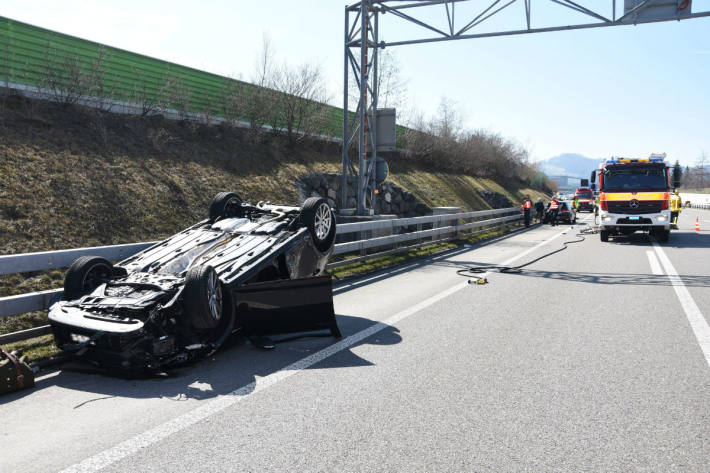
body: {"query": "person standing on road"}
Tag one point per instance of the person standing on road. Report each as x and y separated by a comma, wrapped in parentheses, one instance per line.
(554, 208)
(676, 206)
(526, 208)
(539, 210)
(575, 203)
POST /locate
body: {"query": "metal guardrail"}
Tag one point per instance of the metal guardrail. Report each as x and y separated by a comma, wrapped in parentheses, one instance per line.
(698, 206)
(25, 262)
(444, 227)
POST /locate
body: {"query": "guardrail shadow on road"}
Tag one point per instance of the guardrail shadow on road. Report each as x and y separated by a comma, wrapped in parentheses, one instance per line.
(235, 365)
(615, 278)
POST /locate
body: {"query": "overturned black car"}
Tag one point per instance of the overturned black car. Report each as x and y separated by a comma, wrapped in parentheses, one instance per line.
(250, 268)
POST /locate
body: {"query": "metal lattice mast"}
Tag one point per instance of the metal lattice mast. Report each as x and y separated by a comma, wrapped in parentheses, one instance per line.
(362, 32)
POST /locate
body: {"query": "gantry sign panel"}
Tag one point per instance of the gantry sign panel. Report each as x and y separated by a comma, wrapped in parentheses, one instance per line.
(461, 19)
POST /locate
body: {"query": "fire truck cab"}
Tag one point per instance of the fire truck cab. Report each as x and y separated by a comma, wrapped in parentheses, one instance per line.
(634, 194)
(585, 198)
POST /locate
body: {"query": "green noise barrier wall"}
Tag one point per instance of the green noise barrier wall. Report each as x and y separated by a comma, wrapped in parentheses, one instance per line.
(26, 51)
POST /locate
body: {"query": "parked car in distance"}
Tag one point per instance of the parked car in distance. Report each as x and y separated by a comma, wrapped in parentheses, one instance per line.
(567, 212)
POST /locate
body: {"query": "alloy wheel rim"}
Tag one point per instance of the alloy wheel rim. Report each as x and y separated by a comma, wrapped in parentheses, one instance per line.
(323, 221)
(214, 296)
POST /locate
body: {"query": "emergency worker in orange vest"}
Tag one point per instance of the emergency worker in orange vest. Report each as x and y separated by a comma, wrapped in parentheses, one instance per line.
(526, 208)
(554, 209)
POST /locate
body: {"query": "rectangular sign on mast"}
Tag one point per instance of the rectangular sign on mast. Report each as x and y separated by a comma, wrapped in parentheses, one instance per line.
(656, 9)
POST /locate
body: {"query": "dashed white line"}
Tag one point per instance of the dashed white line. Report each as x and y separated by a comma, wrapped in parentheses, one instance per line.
(156, 434)
(692, 312)
(655, 265)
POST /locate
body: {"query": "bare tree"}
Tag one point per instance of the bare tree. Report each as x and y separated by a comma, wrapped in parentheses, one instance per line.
(300, 101)
(257, 102)
(180, 96)
(233, 101)
(5, 71)
(68, 78)
(150, 103)
(392, 88)
(700, 164)
(210, 108)
(443, 142)
(448, 122)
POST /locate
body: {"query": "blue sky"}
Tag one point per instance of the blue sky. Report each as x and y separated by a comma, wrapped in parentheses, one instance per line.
(599, 92)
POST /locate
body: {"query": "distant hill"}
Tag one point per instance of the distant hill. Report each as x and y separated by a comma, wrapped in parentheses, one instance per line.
(570, 164)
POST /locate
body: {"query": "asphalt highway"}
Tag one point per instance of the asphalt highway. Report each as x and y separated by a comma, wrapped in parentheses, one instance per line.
(595, 359)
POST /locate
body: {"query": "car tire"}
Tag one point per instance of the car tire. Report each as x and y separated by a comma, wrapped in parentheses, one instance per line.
(663, 236)
(203, 297)
(318, 217)
(84, 274)
(604, 235)
(225, 205)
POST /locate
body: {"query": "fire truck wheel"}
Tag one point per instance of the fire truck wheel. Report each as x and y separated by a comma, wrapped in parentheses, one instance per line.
(663, 236)
(604, 235)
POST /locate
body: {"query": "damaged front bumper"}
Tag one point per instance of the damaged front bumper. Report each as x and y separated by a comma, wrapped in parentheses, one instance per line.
(131, 344)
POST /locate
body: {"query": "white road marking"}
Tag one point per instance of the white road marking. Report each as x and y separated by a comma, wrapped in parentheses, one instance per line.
(655, 265)
(156, 434)
(47, 376)
(695, 317)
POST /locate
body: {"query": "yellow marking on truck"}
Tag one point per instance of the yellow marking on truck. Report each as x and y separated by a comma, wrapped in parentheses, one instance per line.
(637, 196)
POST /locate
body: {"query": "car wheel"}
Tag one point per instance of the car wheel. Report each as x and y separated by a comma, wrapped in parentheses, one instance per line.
(85, 275)
(604, 235)
(663, 236)
(317, 216)
(203, 297)
(225, 205)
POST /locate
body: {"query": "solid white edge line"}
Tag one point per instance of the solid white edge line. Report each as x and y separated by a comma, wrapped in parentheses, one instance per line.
(655, 265)
(692, 312)
(149, 437)
(47, 376)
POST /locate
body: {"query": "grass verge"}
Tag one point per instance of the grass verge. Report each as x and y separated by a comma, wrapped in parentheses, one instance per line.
(36, 349)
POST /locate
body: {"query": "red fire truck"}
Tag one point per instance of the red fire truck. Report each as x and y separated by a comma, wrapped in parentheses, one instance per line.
(634, 194)
(585, 199)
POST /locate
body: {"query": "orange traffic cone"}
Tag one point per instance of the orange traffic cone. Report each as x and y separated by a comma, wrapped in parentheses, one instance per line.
(697, 225)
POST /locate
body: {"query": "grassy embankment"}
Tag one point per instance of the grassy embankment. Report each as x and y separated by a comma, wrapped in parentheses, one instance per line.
(72, 178)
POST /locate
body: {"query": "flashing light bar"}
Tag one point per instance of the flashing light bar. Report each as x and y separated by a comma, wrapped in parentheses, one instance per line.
(633, 160)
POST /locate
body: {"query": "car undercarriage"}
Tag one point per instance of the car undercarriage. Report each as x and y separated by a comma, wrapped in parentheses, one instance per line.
(255, 269)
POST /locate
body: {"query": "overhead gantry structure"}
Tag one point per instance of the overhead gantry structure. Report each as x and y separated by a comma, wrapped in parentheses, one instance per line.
(362, 45)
